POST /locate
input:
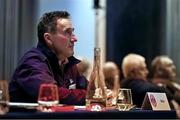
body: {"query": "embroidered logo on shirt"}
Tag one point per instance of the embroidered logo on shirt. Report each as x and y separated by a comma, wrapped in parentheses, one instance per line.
(72, 84)
(71, 81)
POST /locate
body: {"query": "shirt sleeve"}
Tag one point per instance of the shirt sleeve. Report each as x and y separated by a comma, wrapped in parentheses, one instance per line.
(34, 71)
(72, 96)
(31, 73)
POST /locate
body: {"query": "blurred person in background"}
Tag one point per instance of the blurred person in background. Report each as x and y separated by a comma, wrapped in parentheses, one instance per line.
(111, 75)
(164, 75)
(51, 61)
(112, 80)
(84, 67)
(135, 78)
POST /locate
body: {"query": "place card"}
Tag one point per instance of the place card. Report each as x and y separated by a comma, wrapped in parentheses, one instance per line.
(155, 101)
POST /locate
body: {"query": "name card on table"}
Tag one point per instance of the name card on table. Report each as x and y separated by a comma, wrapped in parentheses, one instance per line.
(155, 101)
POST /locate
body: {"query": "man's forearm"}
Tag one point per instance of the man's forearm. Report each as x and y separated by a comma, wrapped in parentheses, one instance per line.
(72, 96)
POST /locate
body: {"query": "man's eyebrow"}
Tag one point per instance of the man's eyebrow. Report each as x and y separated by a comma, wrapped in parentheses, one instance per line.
(68, 29)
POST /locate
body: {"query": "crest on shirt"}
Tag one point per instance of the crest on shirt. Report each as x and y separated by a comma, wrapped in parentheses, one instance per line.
(72, 84)
(71, 81)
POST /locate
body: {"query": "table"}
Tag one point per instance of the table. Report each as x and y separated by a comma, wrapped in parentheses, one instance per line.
(132, 114)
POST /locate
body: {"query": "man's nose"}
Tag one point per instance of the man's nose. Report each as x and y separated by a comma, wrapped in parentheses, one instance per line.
(73, 38)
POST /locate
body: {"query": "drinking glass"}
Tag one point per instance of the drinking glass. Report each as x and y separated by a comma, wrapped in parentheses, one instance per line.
(4, 97)
(124, 99)
(48, 97)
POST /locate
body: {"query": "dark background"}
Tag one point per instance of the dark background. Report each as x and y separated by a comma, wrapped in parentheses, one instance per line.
(135, 26)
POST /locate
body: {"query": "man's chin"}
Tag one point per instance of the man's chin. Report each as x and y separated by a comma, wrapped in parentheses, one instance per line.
(71, 54)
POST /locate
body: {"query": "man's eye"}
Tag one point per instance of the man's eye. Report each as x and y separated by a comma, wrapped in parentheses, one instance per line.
(69, 32)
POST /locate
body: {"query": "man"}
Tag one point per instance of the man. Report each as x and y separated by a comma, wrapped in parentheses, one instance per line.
(135, 73)
(51, 61)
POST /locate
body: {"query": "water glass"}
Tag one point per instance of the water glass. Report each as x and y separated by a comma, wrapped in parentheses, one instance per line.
(124, 99)
(4, 97)
(48, 97)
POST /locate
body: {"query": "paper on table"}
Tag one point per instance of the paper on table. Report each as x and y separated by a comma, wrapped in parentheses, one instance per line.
(23, 105)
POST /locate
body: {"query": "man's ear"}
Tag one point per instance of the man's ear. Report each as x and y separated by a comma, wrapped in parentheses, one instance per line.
(48, 39)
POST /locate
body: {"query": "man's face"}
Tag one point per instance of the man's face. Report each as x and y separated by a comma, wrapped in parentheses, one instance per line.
(142, 70)
(62, 41)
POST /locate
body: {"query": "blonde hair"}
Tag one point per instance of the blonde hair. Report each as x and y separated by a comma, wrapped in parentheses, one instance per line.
(159, 65)
(112, 75)
(108, 69)
(160, 61)
(130, 63)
